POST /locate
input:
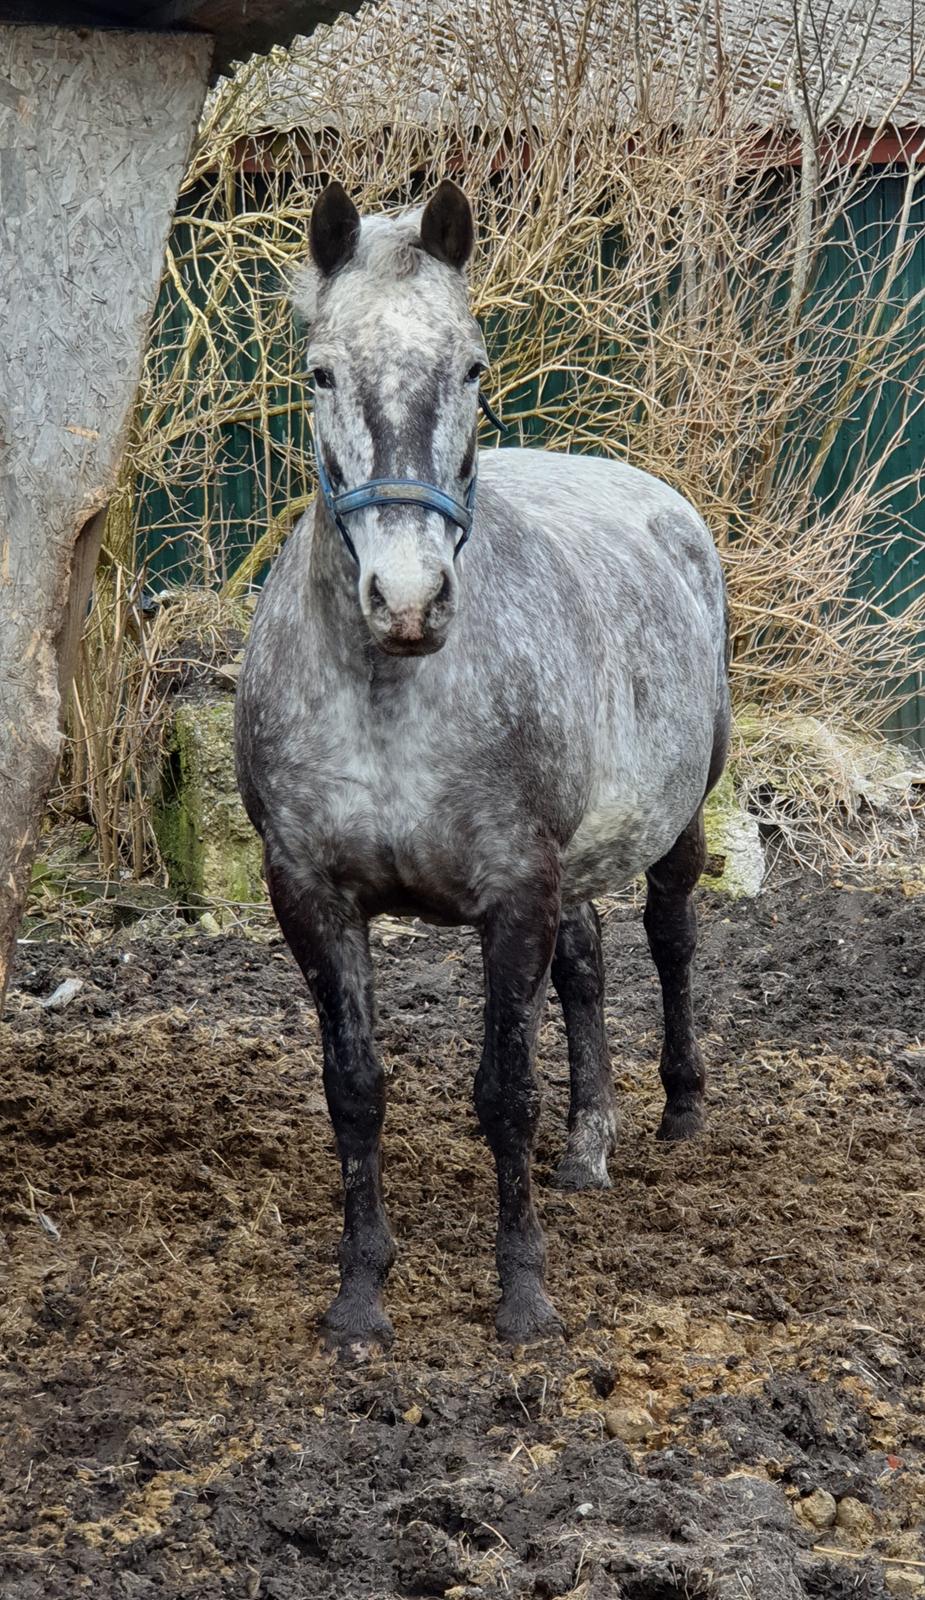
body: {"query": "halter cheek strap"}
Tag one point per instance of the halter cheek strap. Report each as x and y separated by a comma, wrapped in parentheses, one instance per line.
(394, 492)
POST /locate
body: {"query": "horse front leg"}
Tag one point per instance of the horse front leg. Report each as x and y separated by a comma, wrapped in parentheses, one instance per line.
(331, 944)
(518, 939)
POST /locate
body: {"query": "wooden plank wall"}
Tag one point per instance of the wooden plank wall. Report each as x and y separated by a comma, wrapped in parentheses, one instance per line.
(95, 132)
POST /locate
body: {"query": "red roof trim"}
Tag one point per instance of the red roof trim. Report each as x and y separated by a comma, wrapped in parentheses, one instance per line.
(263, 152)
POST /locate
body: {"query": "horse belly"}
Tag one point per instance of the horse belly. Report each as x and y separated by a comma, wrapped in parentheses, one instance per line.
(622, 834)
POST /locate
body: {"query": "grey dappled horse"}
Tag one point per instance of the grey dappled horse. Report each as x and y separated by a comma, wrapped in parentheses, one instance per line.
(490, 739)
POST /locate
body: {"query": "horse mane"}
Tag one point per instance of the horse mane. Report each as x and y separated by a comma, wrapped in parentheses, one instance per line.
(389, 248)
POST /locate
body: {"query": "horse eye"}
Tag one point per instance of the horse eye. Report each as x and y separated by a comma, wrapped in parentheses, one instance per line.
(323, 378)
(475, 372)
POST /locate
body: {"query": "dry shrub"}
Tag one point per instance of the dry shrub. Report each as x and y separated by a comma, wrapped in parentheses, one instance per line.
(673, 266)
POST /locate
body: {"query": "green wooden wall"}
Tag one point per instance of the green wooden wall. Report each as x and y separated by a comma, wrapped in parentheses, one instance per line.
(895, 571)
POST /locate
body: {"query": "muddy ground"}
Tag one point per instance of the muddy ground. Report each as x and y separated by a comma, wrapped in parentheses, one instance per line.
(168, 1225)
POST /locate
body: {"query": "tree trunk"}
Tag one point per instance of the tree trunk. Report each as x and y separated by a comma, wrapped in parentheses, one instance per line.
(95, 132)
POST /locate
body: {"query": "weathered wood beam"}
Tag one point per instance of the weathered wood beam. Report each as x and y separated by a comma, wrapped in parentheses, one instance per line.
(95, 132)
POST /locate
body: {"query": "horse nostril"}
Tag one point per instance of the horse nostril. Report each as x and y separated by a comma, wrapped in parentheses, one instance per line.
(444, 592)
(376, 597)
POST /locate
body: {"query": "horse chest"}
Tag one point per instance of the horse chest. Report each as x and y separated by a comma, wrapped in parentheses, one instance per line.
(407, 812)
(386, 789)
(365, 801)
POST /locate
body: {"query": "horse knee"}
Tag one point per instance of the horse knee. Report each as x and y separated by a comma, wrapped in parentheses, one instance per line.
(671, 928)
(578, 963)
(508, 1108)
(676, 874)
(355, 1093)
(670, 918)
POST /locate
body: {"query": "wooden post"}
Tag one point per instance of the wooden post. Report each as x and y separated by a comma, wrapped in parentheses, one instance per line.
(95, 132)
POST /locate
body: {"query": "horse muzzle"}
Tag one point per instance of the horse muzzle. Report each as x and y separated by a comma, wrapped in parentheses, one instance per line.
(404, 626)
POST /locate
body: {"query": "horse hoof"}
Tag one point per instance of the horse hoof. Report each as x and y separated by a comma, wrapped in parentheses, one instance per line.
(592, 1138)
(683, 1123)
(355, 1336)
(577, 1172)
(528, 1319)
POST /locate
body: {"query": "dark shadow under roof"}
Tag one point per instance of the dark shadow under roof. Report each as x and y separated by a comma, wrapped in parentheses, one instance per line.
(240, 28)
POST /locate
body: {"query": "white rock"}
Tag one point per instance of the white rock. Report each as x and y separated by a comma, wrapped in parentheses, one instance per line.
(63, 995)
(734, 849)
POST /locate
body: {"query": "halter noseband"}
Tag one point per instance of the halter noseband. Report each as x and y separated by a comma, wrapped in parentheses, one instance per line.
(399, 492)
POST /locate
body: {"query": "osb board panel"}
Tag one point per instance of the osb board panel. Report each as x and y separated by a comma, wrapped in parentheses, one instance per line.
(95, 131)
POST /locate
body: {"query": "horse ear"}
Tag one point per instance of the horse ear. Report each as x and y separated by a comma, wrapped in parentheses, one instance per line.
(447, 229)
(334, 229)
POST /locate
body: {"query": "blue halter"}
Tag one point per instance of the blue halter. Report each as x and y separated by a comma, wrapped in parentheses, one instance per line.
(394, 492)
(401, 492)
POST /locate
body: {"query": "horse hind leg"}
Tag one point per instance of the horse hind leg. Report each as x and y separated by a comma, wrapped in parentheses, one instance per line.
(578, 978)
(670, 922)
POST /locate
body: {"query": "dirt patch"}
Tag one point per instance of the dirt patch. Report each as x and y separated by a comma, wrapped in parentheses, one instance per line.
(169, 1212)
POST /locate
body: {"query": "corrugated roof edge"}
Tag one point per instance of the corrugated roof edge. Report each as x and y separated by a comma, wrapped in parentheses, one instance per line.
(239, 28)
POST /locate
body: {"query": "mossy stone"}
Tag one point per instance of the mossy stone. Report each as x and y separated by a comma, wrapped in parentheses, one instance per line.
(211, 852)
(735, 858)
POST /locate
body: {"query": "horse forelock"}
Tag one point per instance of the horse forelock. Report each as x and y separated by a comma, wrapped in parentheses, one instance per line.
(390, 247)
